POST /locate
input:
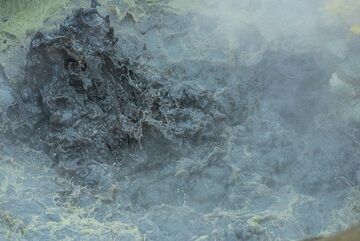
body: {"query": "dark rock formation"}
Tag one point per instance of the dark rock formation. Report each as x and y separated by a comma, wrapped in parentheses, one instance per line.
(84, 104)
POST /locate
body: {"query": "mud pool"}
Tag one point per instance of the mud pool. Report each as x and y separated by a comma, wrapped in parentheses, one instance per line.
(191, 120)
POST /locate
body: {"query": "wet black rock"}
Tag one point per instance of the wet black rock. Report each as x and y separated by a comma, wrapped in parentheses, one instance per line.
(82, 103)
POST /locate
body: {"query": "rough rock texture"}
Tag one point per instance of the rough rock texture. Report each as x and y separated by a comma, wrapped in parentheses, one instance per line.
(84, 104)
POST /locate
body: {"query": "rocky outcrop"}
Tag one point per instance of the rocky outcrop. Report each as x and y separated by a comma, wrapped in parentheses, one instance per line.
(84, 104)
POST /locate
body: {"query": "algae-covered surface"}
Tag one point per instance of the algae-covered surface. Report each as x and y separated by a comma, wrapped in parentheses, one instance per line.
(31, 209)
(286, 168)
(22, 18)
